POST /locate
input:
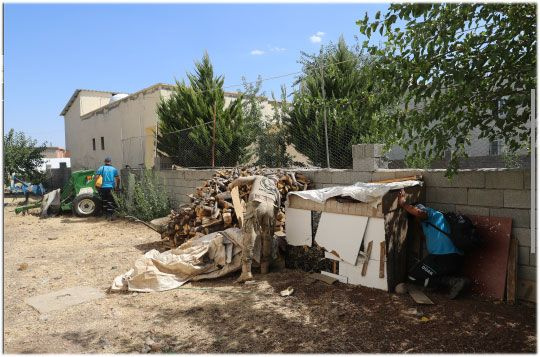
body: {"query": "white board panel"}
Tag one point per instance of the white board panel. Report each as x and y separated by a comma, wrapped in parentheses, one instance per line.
(375, 233)
(371, 279)
(298, 226)
(331, 256)
(340, 278)
(341, 233)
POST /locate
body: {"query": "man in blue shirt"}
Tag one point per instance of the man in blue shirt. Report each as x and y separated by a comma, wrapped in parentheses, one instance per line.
(110, 181)
(444, 260)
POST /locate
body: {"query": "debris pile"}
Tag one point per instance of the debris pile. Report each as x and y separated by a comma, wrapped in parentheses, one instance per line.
(212, 206)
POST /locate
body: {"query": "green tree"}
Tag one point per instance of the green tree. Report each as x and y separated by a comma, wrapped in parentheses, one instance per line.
(22, 156)
(185, 131)
(347, 99)
(455, 68)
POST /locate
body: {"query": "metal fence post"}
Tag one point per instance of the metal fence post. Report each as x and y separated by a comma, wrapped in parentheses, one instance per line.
(324, 113)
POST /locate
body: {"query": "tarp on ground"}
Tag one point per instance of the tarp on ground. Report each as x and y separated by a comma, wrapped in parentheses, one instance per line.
(361, 191)
(207, 257)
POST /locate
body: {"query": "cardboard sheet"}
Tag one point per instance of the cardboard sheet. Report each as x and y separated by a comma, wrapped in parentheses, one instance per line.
(64, 298)
(486, 267)
(341, 233)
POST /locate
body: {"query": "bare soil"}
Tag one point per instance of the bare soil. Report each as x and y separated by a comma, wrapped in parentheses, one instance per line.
(220, 316)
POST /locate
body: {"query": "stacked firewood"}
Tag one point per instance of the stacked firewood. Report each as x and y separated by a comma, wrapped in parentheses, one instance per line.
(212, 209)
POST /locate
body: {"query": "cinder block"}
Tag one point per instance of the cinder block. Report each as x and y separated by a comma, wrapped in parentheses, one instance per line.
(358, 151)
(436, 179)
(526, 272)
(524, 255)
(323, 176)
(527, 179)
(446, 195)
(532, 260)
(365, 164)
(310, 174)
(471, 179)
(441, 207)
(473, 210)
(380, 175)
(523, 235)
(517, 198)
(526, 290)
(405, 173)
(521, 218)
(360, 177)
(343, 177)
(504, 179)
(373, 150)
(483, 197)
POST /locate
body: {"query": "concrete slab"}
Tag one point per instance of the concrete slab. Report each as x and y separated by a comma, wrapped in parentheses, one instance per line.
(64, 298)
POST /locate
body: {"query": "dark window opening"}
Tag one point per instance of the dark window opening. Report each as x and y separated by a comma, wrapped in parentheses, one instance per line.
(102, 143)
(94, 144)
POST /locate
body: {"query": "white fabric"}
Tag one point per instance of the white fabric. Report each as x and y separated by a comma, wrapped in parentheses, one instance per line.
(51, 199)
(207, 257)
(360, 191)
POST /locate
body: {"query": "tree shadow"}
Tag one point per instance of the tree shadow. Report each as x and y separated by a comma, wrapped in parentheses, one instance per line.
(159, 245)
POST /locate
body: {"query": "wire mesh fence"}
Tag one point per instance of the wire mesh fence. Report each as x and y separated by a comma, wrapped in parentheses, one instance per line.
(271, 146)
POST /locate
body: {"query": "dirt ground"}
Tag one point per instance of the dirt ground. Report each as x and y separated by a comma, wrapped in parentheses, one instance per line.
(219, 316)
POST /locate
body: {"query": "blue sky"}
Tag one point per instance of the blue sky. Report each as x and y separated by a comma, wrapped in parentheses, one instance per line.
(51, 50)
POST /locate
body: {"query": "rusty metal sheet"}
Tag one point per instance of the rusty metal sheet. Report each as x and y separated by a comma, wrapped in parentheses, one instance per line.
(486, 267)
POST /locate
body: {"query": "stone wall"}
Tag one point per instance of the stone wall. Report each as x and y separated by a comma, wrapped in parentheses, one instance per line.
(486, 192)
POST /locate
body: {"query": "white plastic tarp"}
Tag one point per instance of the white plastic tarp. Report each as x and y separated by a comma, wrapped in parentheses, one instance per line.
(360, 191)
(207, 257)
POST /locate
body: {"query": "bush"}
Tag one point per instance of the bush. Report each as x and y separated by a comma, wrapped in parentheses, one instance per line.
(143, 197)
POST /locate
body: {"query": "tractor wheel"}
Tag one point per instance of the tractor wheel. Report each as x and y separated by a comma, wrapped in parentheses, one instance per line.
(86, 205)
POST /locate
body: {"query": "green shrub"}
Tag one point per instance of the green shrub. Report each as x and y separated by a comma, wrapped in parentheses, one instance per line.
(143, 197)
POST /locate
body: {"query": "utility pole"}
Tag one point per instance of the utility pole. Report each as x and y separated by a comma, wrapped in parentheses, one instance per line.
(324, 113)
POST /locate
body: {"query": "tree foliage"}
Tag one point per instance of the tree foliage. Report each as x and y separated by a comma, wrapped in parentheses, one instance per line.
(186, 122)
(348, 94)
(22, 157)
(455, 68)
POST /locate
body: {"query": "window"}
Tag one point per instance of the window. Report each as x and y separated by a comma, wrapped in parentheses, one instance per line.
(94, 144)
(102, 143)
(495, 148)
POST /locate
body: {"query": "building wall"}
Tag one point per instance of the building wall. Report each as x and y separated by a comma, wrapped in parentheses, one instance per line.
(486, 192)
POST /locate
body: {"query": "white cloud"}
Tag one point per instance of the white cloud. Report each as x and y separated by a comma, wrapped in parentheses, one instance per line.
(257, 52)
(317, 37)
(277, 49)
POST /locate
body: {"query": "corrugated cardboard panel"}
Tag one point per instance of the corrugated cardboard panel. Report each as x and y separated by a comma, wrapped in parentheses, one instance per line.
(341, 233)
(298, 226)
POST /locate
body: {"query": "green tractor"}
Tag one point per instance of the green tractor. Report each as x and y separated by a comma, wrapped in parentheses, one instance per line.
(78, 195)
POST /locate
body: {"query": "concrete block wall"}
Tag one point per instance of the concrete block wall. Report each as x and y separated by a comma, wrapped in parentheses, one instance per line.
(180, 183)
(486, 192)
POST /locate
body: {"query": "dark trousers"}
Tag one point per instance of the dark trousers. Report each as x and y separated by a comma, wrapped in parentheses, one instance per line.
(434, 266)
(107, 201)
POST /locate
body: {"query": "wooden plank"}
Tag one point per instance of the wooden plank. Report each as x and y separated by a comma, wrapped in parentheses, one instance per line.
(341, 233)
(381, 261)
(366, 261)
(408, 178)
(511, 271)
(324, 278)
(418, 296)
(238, 208)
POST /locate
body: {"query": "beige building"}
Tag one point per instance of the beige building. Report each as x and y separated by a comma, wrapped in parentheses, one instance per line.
(122, 126)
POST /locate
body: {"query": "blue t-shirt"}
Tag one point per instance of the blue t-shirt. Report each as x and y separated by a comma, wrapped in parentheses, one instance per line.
(437, 242)
(108, 173)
